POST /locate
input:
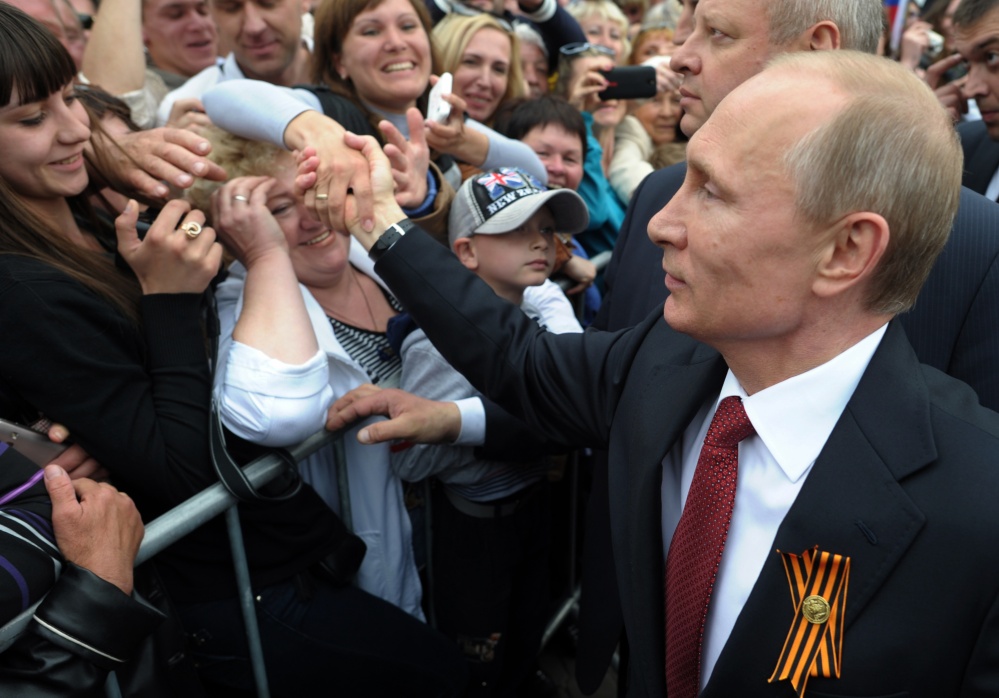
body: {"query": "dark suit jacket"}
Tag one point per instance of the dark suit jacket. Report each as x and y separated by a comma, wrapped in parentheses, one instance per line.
(981, 156)
(906, 486)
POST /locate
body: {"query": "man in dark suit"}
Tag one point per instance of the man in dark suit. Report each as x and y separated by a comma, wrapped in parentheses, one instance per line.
(976, 35)
(954, 325)
(797, 236)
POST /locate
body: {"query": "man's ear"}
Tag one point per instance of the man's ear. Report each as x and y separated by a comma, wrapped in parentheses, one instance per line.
(854, 250)
(823, 36)
(464, 250)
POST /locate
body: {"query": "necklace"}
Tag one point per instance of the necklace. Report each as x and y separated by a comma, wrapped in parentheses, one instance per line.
(367, 304)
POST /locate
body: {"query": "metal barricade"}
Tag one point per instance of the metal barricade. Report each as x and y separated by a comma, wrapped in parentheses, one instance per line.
(194, 513)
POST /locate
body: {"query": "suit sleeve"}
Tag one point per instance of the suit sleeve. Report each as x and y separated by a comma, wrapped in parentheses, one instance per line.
(567, 385)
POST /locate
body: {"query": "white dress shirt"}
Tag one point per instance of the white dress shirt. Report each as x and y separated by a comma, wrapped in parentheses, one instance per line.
(793, 421)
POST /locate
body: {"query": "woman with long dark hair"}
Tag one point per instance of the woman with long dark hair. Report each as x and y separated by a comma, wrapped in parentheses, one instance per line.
(103, 333)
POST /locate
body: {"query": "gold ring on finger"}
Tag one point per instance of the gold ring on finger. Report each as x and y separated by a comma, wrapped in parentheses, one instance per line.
(191, 229)
(322, 197)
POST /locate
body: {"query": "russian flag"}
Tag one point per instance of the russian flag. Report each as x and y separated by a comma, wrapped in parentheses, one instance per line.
(897, 11)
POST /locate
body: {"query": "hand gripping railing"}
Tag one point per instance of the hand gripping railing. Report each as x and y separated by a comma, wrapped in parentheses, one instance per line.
(167, 529)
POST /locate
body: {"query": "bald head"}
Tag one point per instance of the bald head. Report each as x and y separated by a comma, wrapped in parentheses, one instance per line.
(890, 149)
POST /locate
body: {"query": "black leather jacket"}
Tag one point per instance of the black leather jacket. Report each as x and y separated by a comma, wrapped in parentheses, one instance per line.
(85, 628)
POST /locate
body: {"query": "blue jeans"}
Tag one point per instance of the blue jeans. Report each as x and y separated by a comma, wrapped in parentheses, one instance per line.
(322, 640)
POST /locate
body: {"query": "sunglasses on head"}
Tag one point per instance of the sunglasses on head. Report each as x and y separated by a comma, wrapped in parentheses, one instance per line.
(576, 48)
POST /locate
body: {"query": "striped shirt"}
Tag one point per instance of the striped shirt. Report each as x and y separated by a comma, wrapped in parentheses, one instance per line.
(30, 561)
(372, 350)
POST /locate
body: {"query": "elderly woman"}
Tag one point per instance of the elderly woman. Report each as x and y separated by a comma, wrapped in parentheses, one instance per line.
(301, 324)
(603, 23)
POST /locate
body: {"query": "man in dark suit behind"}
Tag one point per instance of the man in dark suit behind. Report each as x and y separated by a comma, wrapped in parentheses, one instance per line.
(976, 35)
(954, 325)
(808, 220)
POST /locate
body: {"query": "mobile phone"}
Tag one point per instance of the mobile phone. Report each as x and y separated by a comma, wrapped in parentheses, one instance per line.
(36, 447)
(630, 82)
(437, 109)
(936, 42)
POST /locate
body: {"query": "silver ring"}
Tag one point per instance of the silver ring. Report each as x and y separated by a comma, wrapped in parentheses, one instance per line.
(191, 229)
(322, 197)
(240, 197)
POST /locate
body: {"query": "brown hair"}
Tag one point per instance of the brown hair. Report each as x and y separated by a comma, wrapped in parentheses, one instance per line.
(36, 65)
(334, 19)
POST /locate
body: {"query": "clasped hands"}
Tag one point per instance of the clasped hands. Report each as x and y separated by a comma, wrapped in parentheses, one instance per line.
(411, 418)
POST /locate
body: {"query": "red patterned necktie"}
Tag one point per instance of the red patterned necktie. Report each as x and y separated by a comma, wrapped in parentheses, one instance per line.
(696, 549)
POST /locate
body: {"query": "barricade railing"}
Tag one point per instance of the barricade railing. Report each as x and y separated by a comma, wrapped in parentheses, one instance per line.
(190, 515)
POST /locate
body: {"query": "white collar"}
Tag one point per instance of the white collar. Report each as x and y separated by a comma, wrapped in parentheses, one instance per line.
(795, 417)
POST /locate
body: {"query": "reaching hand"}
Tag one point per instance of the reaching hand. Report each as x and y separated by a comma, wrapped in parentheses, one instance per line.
(179, 253)
(336, 171)
(451, 137)
(100, 532)
(411, 418)
(666, 79)
(188, 114)
(144, 160)
(410, 159)
(382, 181)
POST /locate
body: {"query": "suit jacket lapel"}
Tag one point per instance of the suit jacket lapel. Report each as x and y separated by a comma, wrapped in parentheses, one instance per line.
(851, 504)
(664, 398)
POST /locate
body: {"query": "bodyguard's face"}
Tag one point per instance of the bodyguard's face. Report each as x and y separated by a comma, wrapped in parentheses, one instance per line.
(728, 44)
(979, 45)
(739, 264)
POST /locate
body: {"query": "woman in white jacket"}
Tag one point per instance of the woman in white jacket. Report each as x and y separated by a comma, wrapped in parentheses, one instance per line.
(303, 321)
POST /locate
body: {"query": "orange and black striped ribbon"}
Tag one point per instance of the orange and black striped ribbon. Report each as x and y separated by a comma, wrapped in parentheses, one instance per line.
(814, 649)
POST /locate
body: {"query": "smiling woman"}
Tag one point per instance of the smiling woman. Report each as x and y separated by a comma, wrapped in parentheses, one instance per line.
(483, 57)
(301, 324)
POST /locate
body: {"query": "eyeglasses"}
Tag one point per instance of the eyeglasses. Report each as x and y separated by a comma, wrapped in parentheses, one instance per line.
(576, 48)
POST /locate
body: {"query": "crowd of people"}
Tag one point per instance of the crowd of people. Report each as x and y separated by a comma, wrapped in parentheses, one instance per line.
(247, 212)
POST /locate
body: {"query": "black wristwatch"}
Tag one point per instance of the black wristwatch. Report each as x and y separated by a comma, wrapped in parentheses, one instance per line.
(389, 238)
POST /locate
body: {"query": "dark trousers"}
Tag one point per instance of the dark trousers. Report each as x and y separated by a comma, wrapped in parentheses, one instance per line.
(320, 640)
(491, 589)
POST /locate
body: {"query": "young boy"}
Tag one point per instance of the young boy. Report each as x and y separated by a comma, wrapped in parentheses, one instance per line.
(489, 544)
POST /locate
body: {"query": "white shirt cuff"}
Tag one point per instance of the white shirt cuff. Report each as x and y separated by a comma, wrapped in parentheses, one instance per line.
(473, 422)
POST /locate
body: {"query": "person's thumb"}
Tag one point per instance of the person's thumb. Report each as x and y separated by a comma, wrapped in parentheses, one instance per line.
(60, 488)
(124, 225)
